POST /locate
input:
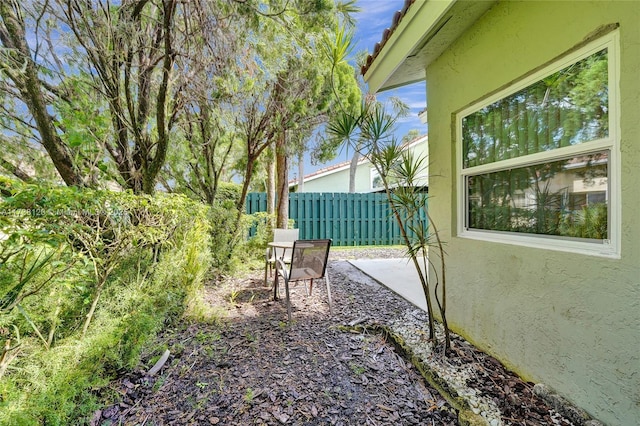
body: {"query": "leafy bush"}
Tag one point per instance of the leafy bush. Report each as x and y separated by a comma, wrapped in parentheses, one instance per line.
(261, 224)
(228, 191)
(589, 222)
(229, 246)
(223, 236)
(262, 229)
(87, 278)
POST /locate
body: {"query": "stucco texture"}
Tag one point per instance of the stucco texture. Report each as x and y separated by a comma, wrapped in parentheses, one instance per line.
(568, 320)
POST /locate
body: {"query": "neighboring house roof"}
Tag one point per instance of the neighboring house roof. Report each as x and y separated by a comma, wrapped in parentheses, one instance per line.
(411, 43)
(346, 164)
(326, 171)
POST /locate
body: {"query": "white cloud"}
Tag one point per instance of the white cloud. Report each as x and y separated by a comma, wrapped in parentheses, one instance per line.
(374, 17)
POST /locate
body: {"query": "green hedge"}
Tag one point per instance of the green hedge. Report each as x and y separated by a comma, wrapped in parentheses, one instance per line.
(140, 260)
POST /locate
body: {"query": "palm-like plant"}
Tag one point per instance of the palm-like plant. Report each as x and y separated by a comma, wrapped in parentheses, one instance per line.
(369, 131)
(399, 170)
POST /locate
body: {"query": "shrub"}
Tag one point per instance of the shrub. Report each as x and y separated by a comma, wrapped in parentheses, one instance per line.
(228, 191)
(228, 243)
(151, 253)
(223, 237)
(589, 222)
(261, 224)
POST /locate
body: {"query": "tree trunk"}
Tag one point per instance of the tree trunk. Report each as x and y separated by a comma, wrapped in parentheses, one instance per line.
(282, 171)
(301, 171)
(150, 173)
(30, 88)
(240, 204)
(353, 167)
(271, 187)
(236, 229)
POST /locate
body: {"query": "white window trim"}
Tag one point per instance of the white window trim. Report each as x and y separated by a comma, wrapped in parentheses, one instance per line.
(608, 248)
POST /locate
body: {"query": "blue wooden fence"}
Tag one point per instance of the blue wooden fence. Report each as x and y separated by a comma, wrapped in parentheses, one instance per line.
(348, 219)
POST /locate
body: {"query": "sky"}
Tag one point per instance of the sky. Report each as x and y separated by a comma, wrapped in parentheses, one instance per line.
(374, 17)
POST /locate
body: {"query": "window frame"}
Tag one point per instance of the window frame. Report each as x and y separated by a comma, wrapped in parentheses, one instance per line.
(603, 248)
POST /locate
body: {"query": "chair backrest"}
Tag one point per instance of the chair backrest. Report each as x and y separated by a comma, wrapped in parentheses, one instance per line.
(309, 259)
(288, 235)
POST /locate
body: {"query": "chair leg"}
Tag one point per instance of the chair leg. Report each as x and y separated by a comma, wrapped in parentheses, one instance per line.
(275, 287)
(266, 265)
(286, 286)
(326, 279)
(310, 288)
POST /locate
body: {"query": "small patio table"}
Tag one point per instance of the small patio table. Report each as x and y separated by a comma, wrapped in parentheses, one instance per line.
(281, 244)
(284, 245)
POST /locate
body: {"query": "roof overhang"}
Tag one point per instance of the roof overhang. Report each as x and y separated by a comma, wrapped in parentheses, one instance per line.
(427, 29)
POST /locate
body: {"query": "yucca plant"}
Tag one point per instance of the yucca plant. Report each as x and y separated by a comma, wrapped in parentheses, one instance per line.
(399, 171)
(369, 131)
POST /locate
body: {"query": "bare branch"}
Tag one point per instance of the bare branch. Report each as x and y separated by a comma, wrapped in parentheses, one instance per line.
(15, 170)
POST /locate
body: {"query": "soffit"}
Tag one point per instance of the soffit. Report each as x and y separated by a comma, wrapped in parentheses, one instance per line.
(425, 30)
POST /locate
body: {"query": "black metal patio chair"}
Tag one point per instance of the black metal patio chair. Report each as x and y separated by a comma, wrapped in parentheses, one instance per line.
(308, 263)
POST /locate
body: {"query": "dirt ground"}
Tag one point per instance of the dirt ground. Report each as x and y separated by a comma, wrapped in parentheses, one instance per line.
(322, 368)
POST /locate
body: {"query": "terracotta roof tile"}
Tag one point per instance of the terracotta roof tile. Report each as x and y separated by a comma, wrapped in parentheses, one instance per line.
(386, 34)
(325, 170)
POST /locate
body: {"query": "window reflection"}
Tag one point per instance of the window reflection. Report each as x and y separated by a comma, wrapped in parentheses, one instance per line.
(567, 108)
(564, 198)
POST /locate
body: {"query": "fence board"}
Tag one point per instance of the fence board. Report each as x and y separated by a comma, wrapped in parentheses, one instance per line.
(348, 219)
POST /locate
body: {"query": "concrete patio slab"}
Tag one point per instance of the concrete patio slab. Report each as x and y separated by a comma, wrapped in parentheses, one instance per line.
(399, 275)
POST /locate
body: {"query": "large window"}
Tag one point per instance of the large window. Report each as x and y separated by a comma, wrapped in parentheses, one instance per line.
(538, 162)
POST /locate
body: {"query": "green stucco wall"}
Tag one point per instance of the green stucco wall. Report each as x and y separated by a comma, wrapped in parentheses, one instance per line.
(570, 321)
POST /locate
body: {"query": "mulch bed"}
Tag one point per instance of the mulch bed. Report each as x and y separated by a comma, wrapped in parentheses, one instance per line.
(255, 368)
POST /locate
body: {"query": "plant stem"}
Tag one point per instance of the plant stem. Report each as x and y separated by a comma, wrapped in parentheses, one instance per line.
(423, 280)
(92, 310)
(442, 306)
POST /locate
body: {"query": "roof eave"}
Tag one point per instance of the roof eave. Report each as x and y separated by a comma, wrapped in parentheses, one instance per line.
(427, 29)
(390, 62)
